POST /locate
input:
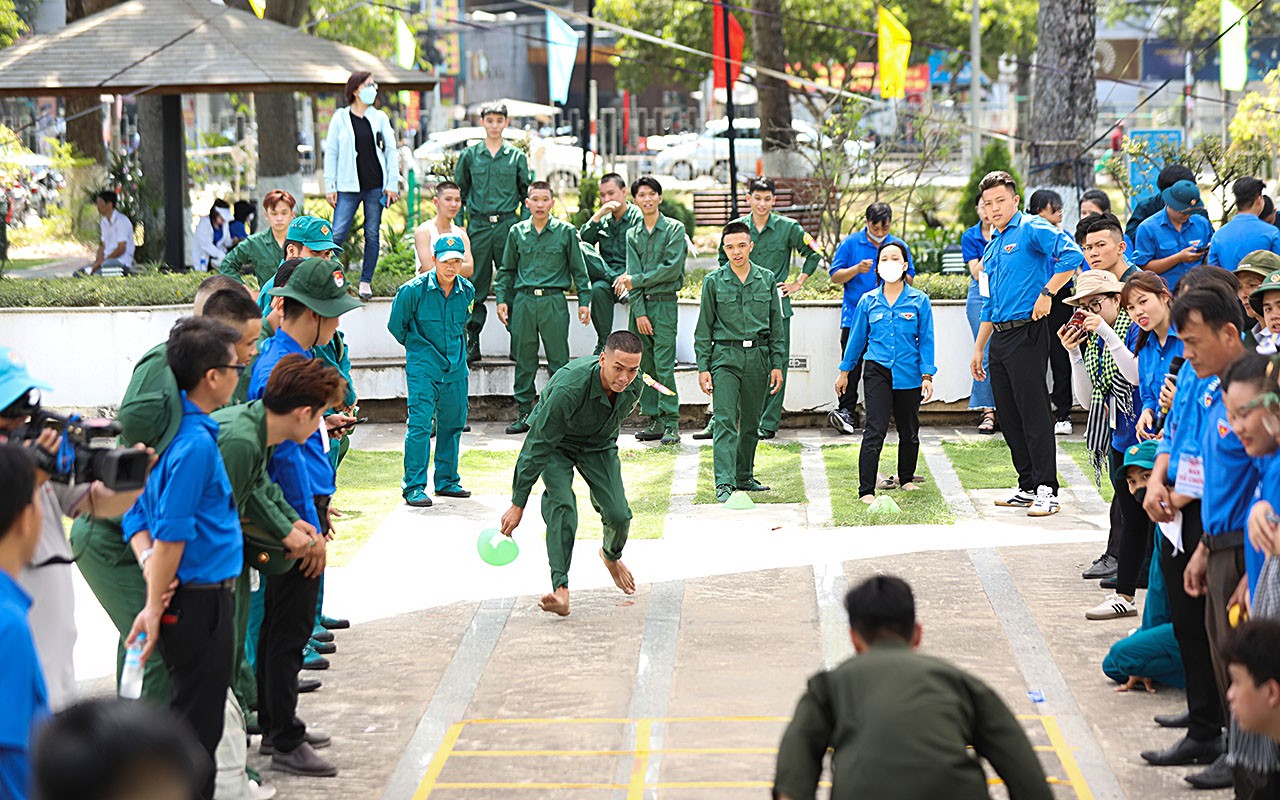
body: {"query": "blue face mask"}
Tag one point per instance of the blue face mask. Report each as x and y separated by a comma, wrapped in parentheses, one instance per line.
(367, 95)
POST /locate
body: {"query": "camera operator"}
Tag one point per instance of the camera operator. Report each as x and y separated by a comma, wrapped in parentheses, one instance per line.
(48, 577)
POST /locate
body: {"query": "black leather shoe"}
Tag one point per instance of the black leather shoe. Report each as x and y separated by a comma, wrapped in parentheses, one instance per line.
(1179, 720)
(453, 493)
(1104, 566)
(324, 635)
(334, 623)
(324, 648)
(308, 685)
(1217, 776)
(1186, 751)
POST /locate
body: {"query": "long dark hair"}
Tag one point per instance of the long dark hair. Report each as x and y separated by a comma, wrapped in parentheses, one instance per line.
(1153, 284)
(906, 258)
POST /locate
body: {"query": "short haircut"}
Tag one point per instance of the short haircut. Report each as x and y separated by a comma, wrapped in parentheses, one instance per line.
(1099, 198)
(881, 606)
(232, 306)
(1250, 368)
(353, 84)
(105, 749)
(285, 271)
(493, 108)
(242, 210)
(645, 180)
(197, 345)
(1268, 206)
(543, 185)
(1255, 645)
(211, 286)
(761, 184)
(107, 196)
(623, 342)
(879, 213)
(736, 226)
(1042, 199)
(997, 178)
(1217, 306)
(18, 476)
(1099, 222)
(277, 196)
(298, 381)
(615, 179)
(1209, 275)
(1173, 173)
(443, 185)
(1247, 191)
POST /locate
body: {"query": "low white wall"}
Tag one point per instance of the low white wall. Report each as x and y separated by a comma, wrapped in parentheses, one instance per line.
(88, 354)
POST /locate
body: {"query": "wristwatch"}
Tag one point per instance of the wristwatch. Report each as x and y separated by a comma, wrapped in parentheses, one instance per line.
(1047, 292)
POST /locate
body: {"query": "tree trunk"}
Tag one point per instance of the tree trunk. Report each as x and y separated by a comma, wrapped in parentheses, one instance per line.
(1065, 109)
(776, 134)
(151, 159)
(84, 112)
(277, 113)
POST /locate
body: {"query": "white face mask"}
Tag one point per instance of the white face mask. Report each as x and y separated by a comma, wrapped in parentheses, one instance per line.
(368, 94)
(875, 240)
(890, 271)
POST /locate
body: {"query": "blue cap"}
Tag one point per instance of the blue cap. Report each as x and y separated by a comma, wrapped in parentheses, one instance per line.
(1183, 196)
(449, 247)
(15, 381)
(1141, 455)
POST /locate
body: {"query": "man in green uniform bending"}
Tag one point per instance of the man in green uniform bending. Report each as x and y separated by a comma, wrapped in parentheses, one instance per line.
(607, 229)
(543, 257)
(576, 426)
(775, 238)
(261, 253)
(494, 178)
(740, 350)
(901, 723)
(656, 252)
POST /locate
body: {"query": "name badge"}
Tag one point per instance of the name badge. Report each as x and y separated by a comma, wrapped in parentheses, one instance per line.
(1190, 476)
(984, 284)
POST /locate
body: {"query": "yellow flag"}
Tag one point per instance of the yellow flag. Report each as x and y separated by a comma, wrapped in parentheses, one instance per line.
(895, 51)
(259, 7)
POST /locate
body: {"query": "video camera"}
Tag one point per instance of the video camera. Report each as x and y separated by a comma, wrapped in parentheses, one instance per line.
(86, 448)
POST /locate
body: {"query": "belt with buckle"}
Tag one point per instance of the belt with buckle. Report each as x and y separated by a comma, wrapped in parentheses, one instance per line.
(743, 343)
(542, 292)
(1012, 325)
(662, 297)
(229, 583)
(1230, 540)
(496, 218)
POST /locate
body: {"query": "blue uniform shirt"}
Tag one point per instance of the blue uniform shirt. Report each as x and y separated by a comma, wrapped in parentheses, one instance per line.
(1157, 238)
(1020, 261)
(1269, 490)
(1185, 422)
(1226, 503)
(1153, 365)
(1240, 237)
(898, 336)
(432, 327)
(23, 697)
(971, 246)
(854, 248)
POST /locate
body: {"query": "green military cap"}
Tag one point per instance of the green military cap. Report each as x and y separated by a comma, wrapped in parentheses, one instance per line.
(313, 232)
(1141, 455)
(1259, 262)
(319, 284)
(1271, 283)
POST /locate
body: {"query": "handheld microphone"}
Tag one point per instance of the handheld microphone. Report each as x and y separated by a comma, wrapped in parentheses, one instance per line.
(1172, 375)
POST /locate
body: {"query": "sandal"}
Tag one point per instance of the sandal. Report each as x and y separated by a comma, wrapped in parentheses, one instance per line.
(988, 424)
(887, 483)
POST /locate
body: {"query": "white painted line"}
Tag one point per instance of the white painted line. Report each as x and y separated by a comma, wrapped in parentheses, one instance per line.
(830, 586)
(814, 471)
(944, 475)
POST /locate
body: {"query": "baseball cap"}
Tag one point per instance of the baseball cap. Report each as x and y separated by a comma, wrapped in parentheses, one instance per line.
(15, 381)
(314, 232)
(1094, 281)
(448, 248)
(1141, 455)
(319, 284)
(1271, 283)
(1182, 196)
(1259, 262)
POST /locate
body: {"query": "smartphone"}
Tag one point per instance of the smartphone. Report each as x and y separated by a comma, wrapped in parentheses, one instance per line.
(349, 425)
(1076, 322)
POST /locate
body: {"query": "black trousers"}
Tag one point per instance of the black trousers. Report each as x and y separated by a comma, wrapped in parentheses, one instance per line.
(289, 615)
(1134, 541)
(849, 400)
(197, 641)
(1016, 366)
(1059, 359)
(882, 399)
(1187, 614)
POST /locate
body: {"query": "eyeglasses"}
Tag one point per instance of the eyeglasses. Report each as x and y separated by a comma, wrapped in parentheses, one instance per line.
(239, 368)
(1093, 306)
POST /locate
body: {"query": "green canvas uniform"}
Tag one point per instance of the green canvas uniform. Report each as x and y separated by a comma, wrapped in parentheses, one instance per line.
(432, 328)
(536, 271)
(655, 261)
(576, 426)
(610, 236)
(739, 341)
(774, 244)
(260, 255)
(493, 187)
(901, 724)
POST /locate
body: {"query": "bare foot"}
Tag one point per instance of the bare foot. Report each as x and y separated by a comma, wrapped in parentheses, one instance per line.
(868, 499)
(910, 487)
(620, 574)
(557, 602)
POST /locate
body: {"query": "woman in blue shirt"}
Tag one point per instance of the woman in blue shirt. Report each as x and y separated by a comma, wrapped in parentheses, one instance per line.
(972, 243)
(1147, 300)
(892, 333)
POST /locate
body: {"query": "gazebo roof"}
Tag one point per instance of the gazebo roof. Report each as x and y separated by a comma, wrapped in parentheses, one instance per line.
(187, 47)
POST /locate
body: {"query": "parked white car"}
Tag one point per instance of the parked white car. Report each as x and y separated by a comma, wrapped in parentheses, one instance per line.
(708, 154)
(549, 159)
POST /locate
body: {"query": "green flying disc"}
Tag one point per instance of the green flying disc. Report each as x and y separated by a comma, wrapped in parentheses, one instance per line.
(495, 548)
(884, 505)
(739, 501)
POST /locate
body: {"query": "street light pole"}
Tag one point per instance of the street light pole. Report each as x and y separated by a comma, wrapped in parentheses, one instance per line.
(975, 81)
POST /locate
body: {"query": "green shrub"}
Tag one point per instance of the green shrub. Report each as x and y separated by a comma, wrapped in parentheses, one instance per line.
(588, 199)
(995, 157)
(677, 210)
(141, 290)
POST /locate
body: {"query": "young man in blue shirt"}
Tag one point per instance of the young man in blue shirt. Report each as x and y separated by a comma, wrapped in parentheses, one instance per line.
(1173, 241)
(190, 512)
(1246, 232)
(1027, 262)
(854, 267)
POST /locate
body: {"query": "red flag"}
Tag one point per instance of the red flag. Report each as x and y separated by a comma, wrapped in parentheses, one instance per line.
(736, 40)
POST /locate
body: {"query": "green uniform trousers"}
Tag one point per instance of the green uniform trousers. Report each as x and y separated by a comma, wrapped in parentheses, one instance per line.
(602, 471)
(740, 380)
(447, 404)
(244, 681)
(659, 360)
(488, 242)
(603, 301)
(771, 419)
(534, 318)
(111, 570)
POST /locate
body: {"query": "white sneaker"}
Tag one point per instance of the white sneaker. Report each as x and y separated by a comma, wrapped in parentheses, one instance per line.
(366, 291)
(1114, 606)
(1045, 503)
(261, 791)
(1062, 428)
(1016, 499)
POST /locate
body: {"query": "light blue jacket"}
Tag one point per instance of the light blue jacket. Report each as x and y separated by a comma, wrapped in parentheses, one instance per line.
(340, 152)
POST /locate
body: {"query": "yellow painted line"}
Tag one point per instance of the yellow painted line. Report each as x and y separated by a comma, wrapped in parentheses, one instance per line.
(723, 785)
(640, 765)
(723, 719)
(548, 786)
(437, 761)
(687, 751)
(1051, 781)
(1074, 775)
(551, 721)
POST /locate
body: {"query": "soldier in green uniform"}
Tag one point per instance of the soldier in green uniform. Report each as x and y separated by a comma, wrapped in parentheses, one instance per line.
(740, 352)
(429, 317)
(308, 237)
(494, 179)
(543, 258)
(607, 230)
(656, 253)
(776, 237)
(576, 427)
(261, 253)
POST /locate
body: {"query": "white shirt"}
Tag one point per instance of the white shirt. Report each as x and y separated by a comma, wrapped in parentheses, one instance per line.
(206, 253)
(115, 229)
(454, 230)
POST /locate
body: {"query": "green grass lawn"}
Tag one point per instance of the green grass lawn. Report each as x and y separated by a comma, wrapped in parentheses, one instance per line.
(925, 507)
(368, 488)
(777, 466)
(1080, 454)
(983, 464)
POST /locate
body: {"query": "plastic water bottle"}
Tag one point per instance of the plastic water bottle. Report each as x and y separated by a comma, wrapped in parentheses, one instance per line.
(131, 676)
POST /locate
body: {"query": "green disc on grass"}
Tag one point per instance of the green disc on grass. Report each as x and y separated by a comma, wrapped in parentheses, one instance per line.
(739, 501)
(495, 548)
